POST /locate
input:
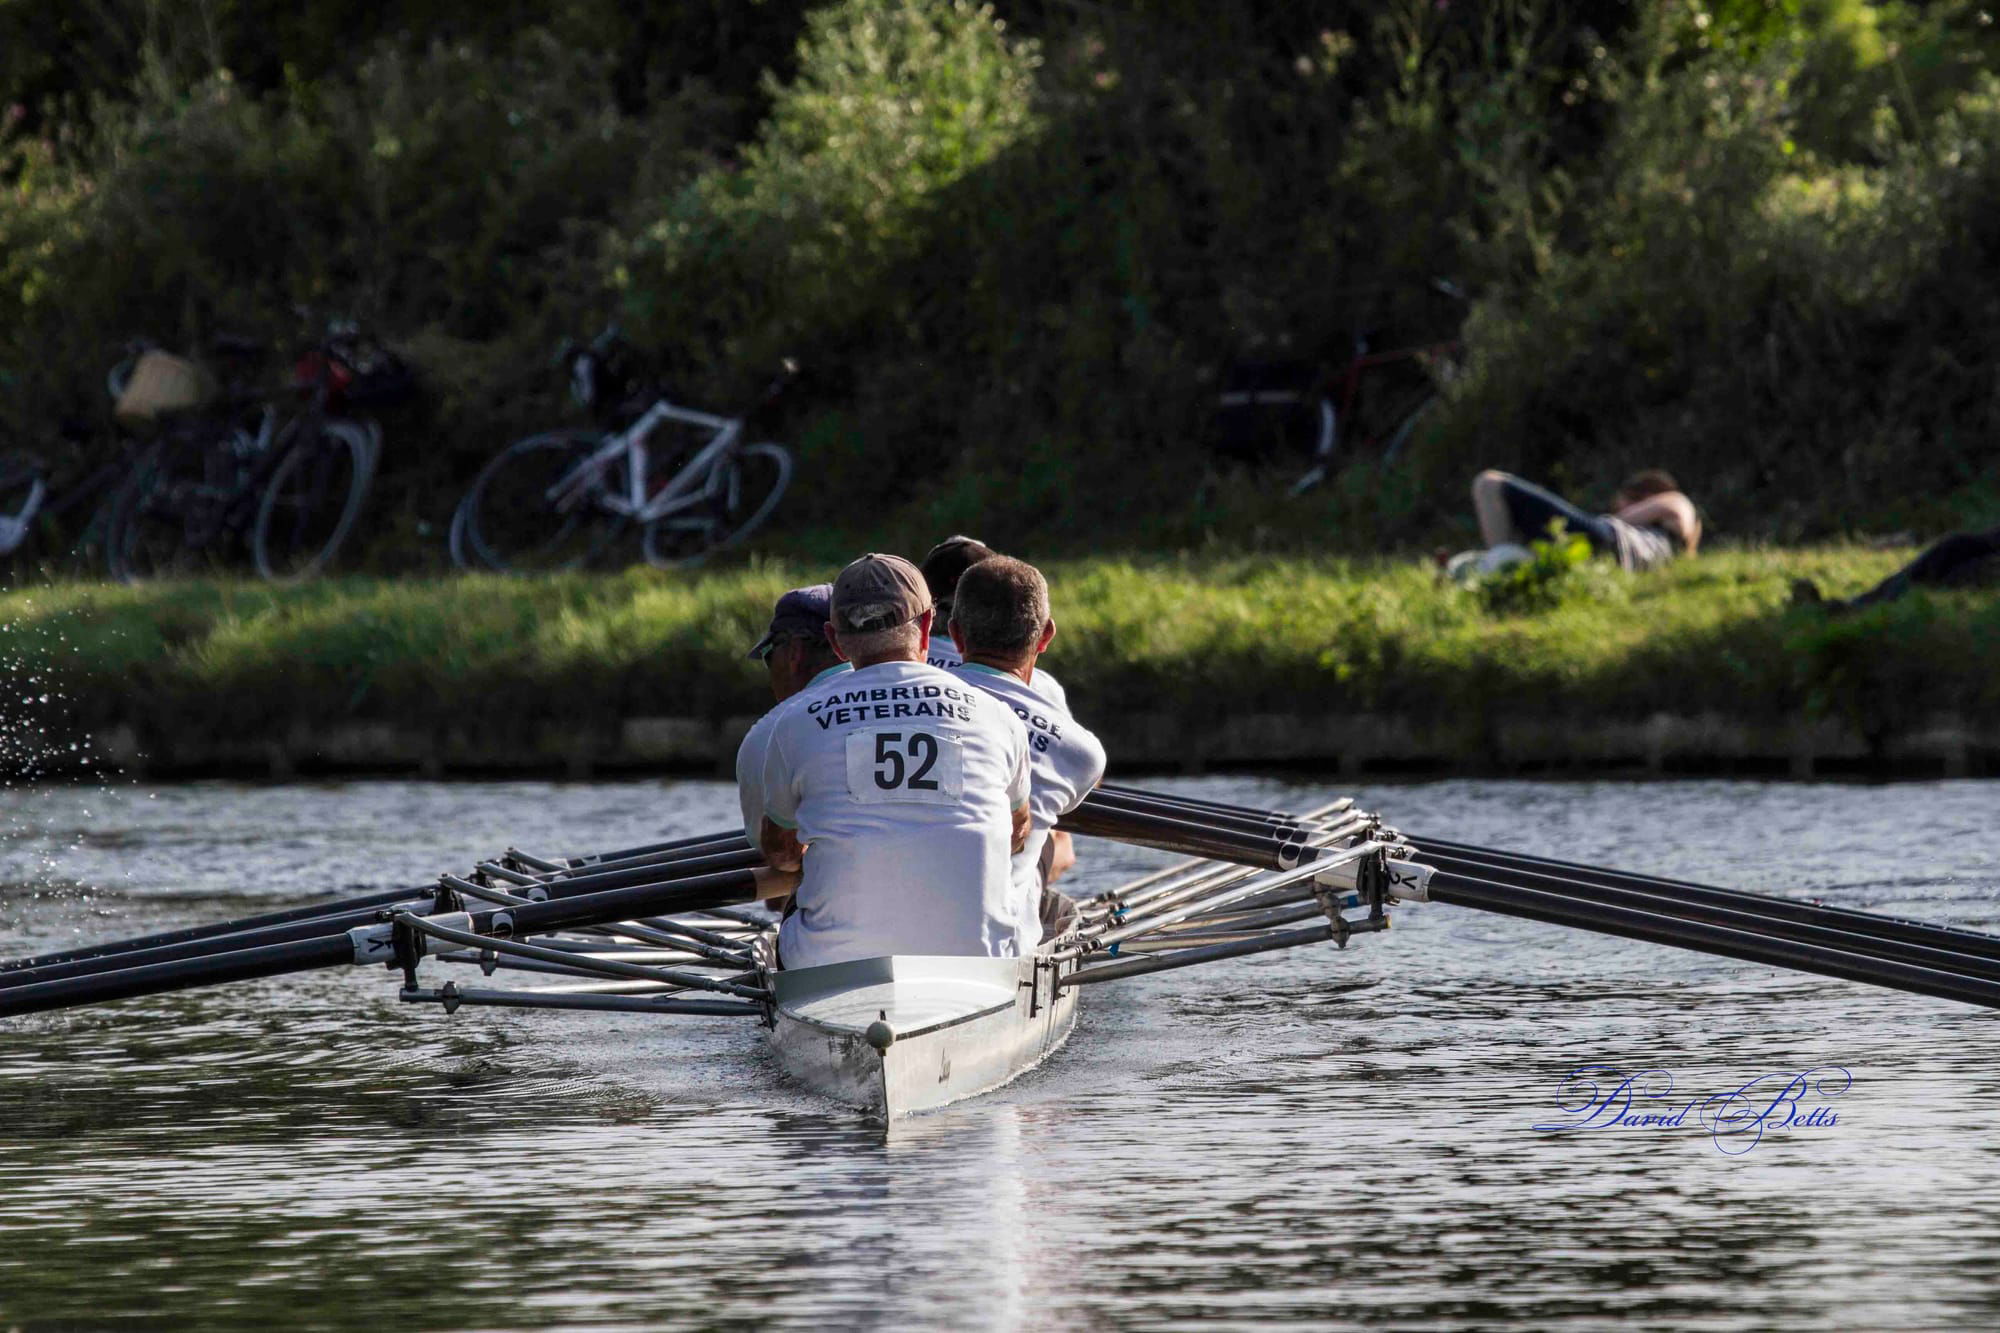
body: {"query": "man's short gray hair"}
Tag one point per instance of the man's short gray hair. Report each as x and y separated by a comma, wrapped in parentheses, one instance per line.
(1000, 607)
(896, 641)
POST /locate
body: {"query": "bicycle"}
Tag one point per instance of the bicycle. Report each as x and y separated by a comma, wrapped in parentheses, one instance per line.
(560, 498)
(37, 498)
(1370, 403)
(238, 474)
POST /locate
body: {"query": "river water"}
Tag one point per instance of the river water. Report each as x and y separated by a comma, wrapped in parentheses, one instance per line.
(1316, 1136)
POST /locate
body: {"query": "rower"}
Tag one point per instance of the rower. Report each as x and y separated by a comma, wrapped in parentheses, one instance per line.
(943, 566)
(798, 656)
(899, 790)
(1001, 625)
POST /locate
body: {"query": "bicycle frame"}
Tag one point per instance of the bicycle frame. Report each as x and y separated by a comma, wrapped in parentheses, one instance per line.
(692, 484)
(14, 528)
(1348, 380)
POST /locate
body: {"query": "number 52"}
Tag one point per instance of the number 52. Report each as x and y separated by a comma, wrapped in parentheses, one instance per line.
(891, 770)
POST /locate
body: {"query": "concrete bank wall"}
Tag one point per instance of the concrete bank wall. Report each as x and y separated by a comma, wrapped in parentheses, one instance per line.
(1351, 746)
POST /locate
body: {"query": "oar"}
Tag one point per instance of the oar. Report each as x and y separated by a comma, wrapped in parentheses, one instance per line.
(1104, 800)
(167, 937)
(1185, 836)
(1198, 803)
(319, 911)
(315, 926)
(1744, 911)
(375, 943)
(1488, 863)
(1703, 937)
(652, 848)
(1748, 928)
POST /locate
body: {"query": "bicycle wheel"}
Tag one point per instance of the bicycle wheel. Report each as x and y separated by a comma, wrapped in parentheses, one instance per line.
(313, 498)
(172, 516)
(534, 507)
(1393, 444)
(23, 487)
(462, 558)
(748, 486)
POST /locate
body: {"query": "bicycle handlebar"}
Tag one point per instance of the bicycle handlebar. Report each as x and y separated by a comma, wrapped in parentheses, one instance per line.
(788, 370)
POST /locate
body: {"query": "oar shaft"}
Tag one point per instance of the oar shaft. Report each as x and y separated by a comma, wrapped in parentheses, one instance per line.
(310, 927)
(715, 846)
(599, 909)
(195, 950)
(649, 849)
(179, 974)
(699, 844)
(369, 943)
(1268, 821)
(192, 933)
(1702, 937)
(1115, 801)
(1186, 837)
(1954, 938)
(648, 871)
(1193, 802)
(1743, 912)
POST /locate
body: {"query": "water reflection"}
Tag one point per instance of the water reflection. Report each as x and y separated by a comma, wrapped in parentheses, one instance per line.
(1305, 1137)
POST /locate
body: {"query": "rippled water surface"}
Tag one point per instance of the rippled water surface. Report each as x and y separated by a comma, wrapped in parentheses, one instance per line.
(1314, 1136)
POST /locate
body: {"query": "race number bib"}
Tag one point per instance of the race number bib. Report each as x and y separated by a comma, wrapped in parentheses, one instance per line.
(904, 764)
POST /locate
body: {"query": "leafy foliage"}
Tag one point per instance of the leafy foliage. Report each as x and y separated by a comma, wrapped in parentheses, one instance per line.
(1014, 244)
(1561, 562)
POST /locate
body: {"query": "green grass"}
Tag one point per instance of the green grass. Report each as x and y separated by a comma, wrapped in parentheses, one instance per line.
(1223, 634)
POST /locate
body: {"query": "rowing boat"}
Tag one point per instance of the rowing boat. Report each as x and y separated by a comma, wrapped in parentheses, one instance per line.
(902, 1034)
(898, 1035)
(667, 929)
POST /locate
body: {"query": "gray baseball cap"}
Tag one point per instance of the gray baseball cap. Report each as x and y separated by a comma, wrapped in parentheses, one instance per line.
(800, 611)
(878, 592)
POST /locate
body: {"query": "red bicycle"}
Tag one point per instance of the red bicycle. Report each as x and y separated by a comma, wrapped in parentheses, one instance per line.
(1370, 405)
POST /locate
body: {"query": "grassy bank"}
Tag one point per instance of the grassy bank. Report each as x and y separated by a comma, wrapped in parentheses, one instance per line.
(1210, 637)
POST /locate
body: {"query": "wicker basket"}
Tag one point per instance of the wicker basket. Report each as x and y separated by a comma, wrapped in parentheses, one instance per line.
(161, 382)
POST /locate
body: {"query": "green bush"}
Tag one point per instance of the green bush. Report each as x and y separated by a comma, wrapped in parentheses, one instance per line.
(1772, 294)
(454, 199)
(1015, 244)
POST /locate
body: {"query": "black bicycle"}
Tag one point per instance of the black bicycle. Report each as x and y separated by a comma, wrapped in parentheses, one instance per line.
(237, 473)
(56, 501)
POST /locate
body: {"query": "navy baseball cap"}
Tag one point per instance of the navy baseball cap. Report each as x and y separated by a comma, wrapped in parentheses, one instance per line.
(944, 563)
(800, 611)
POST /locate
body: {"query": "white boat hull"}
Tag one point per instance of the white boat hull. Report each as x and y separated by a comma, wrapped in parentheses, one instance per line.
(955, 1027)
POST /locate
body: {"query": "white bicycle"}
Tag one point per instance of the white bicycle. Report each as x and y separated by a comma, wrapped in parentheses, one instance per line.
(560, 499)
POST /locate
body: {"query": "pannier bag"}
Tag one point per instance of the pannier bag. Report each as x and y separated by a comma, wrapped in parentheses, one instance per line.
(160, 382)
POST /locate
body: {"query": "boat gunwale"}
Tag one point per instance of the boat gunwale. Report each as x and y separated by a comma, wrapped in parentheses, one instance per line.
(939, 1026)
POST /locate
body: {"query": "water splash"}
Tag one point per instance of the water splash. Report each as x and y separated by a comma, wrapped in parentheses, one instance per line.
(43, 744)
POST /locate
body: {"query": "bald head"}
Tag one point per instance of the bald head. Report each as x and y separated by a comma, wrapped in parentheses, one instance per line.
(1002, 611)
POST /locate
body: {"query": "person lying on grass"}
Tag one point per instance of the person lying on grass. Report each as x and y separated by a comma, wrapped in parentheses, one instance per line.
(1650, 522)
(1962, 560)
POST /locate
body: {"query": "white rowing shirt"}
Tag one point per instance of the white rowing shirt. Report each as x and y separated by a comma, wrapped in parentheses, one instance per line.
(902, 781)
(750, 754)
(944, 655)
(1065, 762)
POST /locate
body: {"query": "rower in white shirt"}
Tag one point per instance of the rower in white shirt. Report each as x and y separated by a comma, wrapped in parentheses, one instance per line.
(899, 790)
(1001, 624)
(942, 567)
(798, 657)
